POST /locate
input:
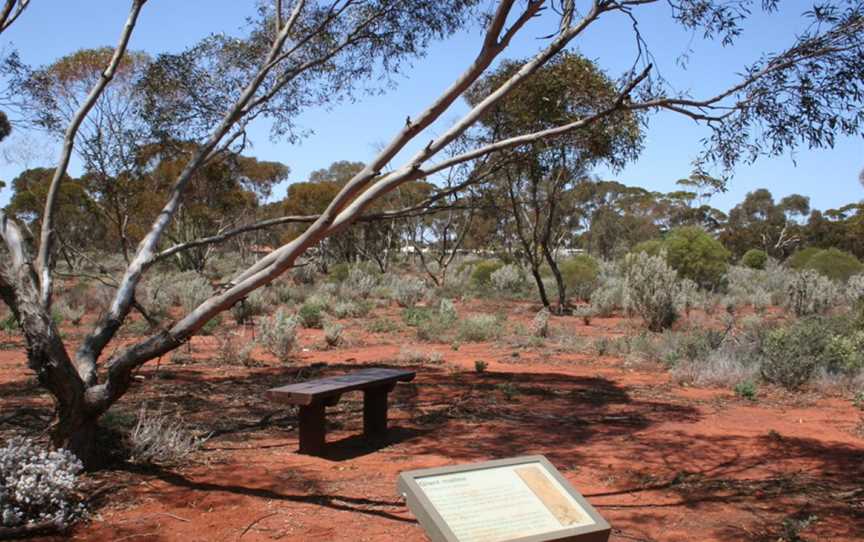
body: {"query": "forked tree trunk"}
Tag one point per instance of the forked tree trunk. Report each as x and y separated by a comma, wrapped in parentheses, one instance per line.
(77, 430)
(544, 297)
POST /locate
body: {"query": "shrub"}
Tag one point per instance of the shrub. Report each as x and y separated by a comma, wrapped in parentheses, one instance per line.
(408, 291)
(481, 275)
(754, 259)
(339, 272)
(652, 247)
(304, 274)
(696, 255)
(540, 323)
(37, 485)
(746, 390)
(478, 328)
(792, 354)
(68, 312)
(278, 334)
(447, 310)
(191, 289)
(480, 366)
(508, 278)
(351, 309)
(162, 439)
(311, 315)
(855, 288)
(580, 274)
(811, 293)
(233, 350)
(651, 289)
(410, 355)
(252, 305)
(835, 264)
(333, 334)
(359, 283)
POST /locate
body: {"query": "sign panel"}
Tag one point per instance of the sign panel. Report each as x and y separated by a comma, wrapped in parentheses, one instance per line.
(512, 500)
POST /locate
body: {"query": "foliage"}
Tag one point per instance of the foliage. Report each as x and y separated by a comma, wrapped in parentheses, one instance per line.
(651, 289)
(278, 334)
(811, 293)
(580, 275)
(480, 366)
(746, 390)
(696, 255)
(159, 438)
(408, 291)
(754, 259)
(479, 328)
(540, 323)
(311, 314)
(792, 354)
(333, 334)
(832, 263)
(37, 485)
(481, 275)
(507, 279)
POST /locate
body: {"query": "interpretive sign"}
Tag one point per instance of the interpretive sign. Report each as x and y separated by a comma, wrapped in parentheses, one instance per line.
(523, 499)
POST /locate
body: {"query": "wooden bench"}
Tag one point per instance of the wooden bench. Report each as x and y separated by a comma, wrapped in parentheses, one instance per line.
(314, 395)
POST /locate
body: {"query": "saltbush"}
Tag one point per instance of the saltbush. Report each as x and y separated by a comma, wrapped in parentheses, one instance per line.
(359, 283)
(508, 278)
(37, 485)
(408, 291)
(540, 323)
(478, 328)
(651, 289)
(792, 354)
(311, 314)
(278, 334)
(754, 259)
(811, 293)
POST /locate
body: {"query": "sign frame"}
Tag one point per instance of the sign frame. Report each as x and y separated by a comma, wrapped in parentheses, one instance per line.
(438, 530)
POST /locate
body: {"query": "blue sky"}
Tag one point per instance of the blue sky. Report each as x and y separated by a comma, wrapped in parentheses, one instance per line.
(352, 131)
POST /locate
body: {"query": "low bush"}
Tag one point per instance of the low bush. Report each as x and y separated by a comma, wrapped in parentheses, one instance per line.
(580, 274)
(351, 309)
(408, 291)
(651, 289)
(479, 328)
(333, 334)
(162, 439)
(278, 334)
(507, 279)
(481, 275)
(338, 272)
(792, 354)
(252, 305)
(754, 259)
(832, 262)
(359, 283)
(38, 486)
(311, 314)
(811, 293)
(540, 323)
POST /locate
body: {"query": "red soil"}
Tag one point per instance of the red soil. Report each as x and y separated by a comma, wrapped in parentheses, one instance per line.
(659, 461)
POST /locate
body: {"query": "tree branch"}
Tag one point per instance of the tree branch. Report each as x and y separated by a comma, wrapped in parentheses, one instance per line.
(44, 262)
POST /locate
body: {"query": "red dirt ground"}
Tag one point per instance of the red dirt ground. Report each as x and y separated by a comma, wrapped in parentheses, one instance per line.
(661, 462)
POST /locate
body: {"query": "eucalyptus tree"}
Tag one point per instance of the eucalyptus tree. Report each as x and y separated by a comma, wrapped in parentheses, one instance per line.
(311, 52)
(537, 181)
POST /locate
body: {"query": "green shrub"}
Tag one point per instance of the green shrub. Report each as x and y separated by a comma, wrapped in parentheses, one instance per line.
(479, 327)
(799, 259)
(338, 272)
(809, 293)
(311, 315)
(480, 366)
(746, 390)
(832, 263)
(580, 274)
(278, 334)
(754, 259)
(652, 247)
(696, 255)
(792, 354)
(481, 275)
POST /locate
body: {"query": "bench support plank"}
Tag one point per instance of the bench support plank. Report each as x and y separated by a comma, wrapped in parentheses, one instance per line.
(375, 411)
(312, 430)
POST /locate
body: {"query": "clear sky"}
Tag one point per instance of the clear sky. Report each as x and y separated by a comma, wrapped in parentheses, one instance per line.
(50, 29)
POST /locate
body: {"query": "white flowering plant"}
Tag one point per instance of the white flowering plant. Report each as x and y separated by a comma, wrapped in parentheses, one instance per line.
(38, 485)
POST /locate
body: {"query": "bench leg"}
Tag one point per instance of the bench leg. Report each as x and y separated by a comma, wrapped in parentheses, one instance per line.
(375, 411)
(312, 429)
